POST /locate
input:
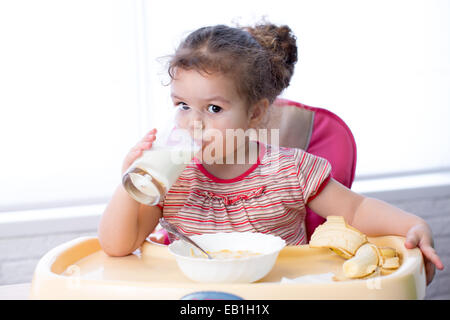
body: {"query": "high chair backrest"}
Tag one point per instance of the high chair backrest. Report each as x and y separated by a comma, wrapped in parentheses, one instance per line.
(319, 132)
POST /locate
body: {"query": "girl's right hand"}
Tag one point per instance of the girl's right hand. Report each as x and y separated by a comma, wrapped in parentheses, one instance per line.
(144, 144)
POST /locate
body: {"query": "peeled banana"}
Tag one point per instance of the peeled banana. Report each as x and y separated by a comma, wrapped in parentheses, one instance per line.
(364, 263)
(364, 259)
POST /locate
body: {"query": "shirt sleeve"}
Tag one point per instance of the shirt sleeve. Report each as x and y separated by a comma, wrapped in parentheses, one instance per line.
(313, 173)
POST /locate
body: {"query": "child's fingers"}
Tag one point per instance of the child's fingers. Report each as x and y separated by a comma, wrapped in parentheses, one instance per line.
(432, 256)
(412, 240)
(142, 145)
(149, 137)
(430, 270)
(151, 132)
(135, 152)
(146, 141)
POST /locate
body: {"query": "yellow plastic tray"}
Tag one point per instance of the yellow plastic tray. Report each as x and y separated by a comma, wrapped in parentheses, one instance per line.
(79, 269)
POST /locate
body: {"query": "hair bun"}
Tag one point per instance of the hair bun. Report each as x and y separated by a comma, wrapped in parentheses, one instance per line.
(281, 44)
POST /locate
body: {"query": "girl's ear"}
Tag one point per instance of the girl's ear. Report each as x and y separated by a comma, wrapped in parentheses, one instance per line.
(257, 112)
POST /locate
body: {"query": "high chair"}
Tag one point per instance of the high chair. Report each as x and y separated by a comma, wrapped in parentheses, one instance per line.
(315, 130)
(80, 269)
(319, 132)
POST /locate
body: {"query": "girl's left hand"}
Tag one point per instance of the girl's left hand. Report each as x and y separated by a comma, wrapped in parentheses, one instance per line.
(420, 236)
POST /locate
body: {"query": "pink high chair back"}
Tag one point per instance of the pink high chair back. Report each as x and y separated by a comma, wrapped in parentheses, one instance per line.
(317, 131)
(330, 138)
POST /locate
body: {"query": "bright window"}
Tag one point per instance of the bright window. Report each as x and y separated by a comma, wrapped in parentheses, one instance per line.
(69, 101)
(80, 83)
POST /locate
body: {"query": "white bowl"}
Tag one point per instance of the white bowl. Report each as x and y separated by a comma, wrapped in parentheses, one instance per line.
(235, 270)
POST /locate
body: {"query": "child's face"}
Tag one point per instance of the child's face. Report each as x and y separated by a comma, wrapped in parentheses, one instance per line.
(211, 101)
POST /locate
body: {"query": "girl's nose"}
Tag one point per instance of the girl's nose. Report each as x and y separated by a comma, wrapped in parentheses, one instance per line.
(196, 125)
(196, 128)
(189, 120)
(196, 122)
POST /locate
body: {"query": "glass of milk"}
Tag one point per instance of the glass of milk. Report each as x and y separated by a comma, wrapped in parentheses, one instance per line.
(150, 177)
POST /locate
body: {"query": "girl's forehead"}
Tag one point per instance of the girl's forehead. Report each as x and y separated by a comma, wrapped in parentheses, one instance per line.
(192, 82)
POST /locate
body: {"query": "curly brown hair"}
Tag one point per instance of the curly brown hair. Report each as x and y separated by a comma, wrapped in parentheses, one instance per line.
(259, 58)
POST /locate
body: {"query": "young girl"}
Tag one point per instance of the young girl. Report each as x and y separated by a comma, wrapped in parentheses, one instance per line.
(227, 78)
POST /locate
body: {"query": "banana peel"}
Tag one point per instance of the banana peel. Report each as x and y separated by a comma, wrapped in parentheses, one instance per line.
(341, 238)
(364, 259)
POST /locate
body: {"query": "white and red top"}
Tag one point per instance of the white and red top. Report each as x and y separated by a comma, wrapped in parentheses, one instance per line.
(270, 197)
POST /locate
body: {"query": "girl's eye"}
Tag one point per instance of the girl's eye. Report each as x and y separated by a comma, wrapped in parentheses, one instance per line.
(182, 106)
(213, 108)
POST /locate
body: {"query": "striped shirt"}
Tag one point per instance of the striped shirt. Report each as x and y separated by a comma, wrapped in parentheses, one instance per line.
(270, 197)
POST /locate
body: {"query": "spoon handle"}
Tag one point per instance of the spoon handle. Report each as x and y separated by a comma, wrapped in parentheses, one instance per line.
(172, 229)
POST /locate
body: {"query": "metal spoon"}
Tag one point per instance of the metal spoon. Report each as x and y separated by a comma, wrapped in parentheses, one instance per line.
(173, 229)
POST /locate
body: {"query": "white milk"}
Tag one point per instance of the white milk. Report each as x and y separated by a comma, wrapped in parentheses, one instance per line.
(151, 176)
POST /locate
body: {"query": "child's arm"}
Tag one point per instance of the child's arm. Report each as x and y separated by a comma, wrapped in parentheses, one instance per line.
(375, 218)
(125, 224)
